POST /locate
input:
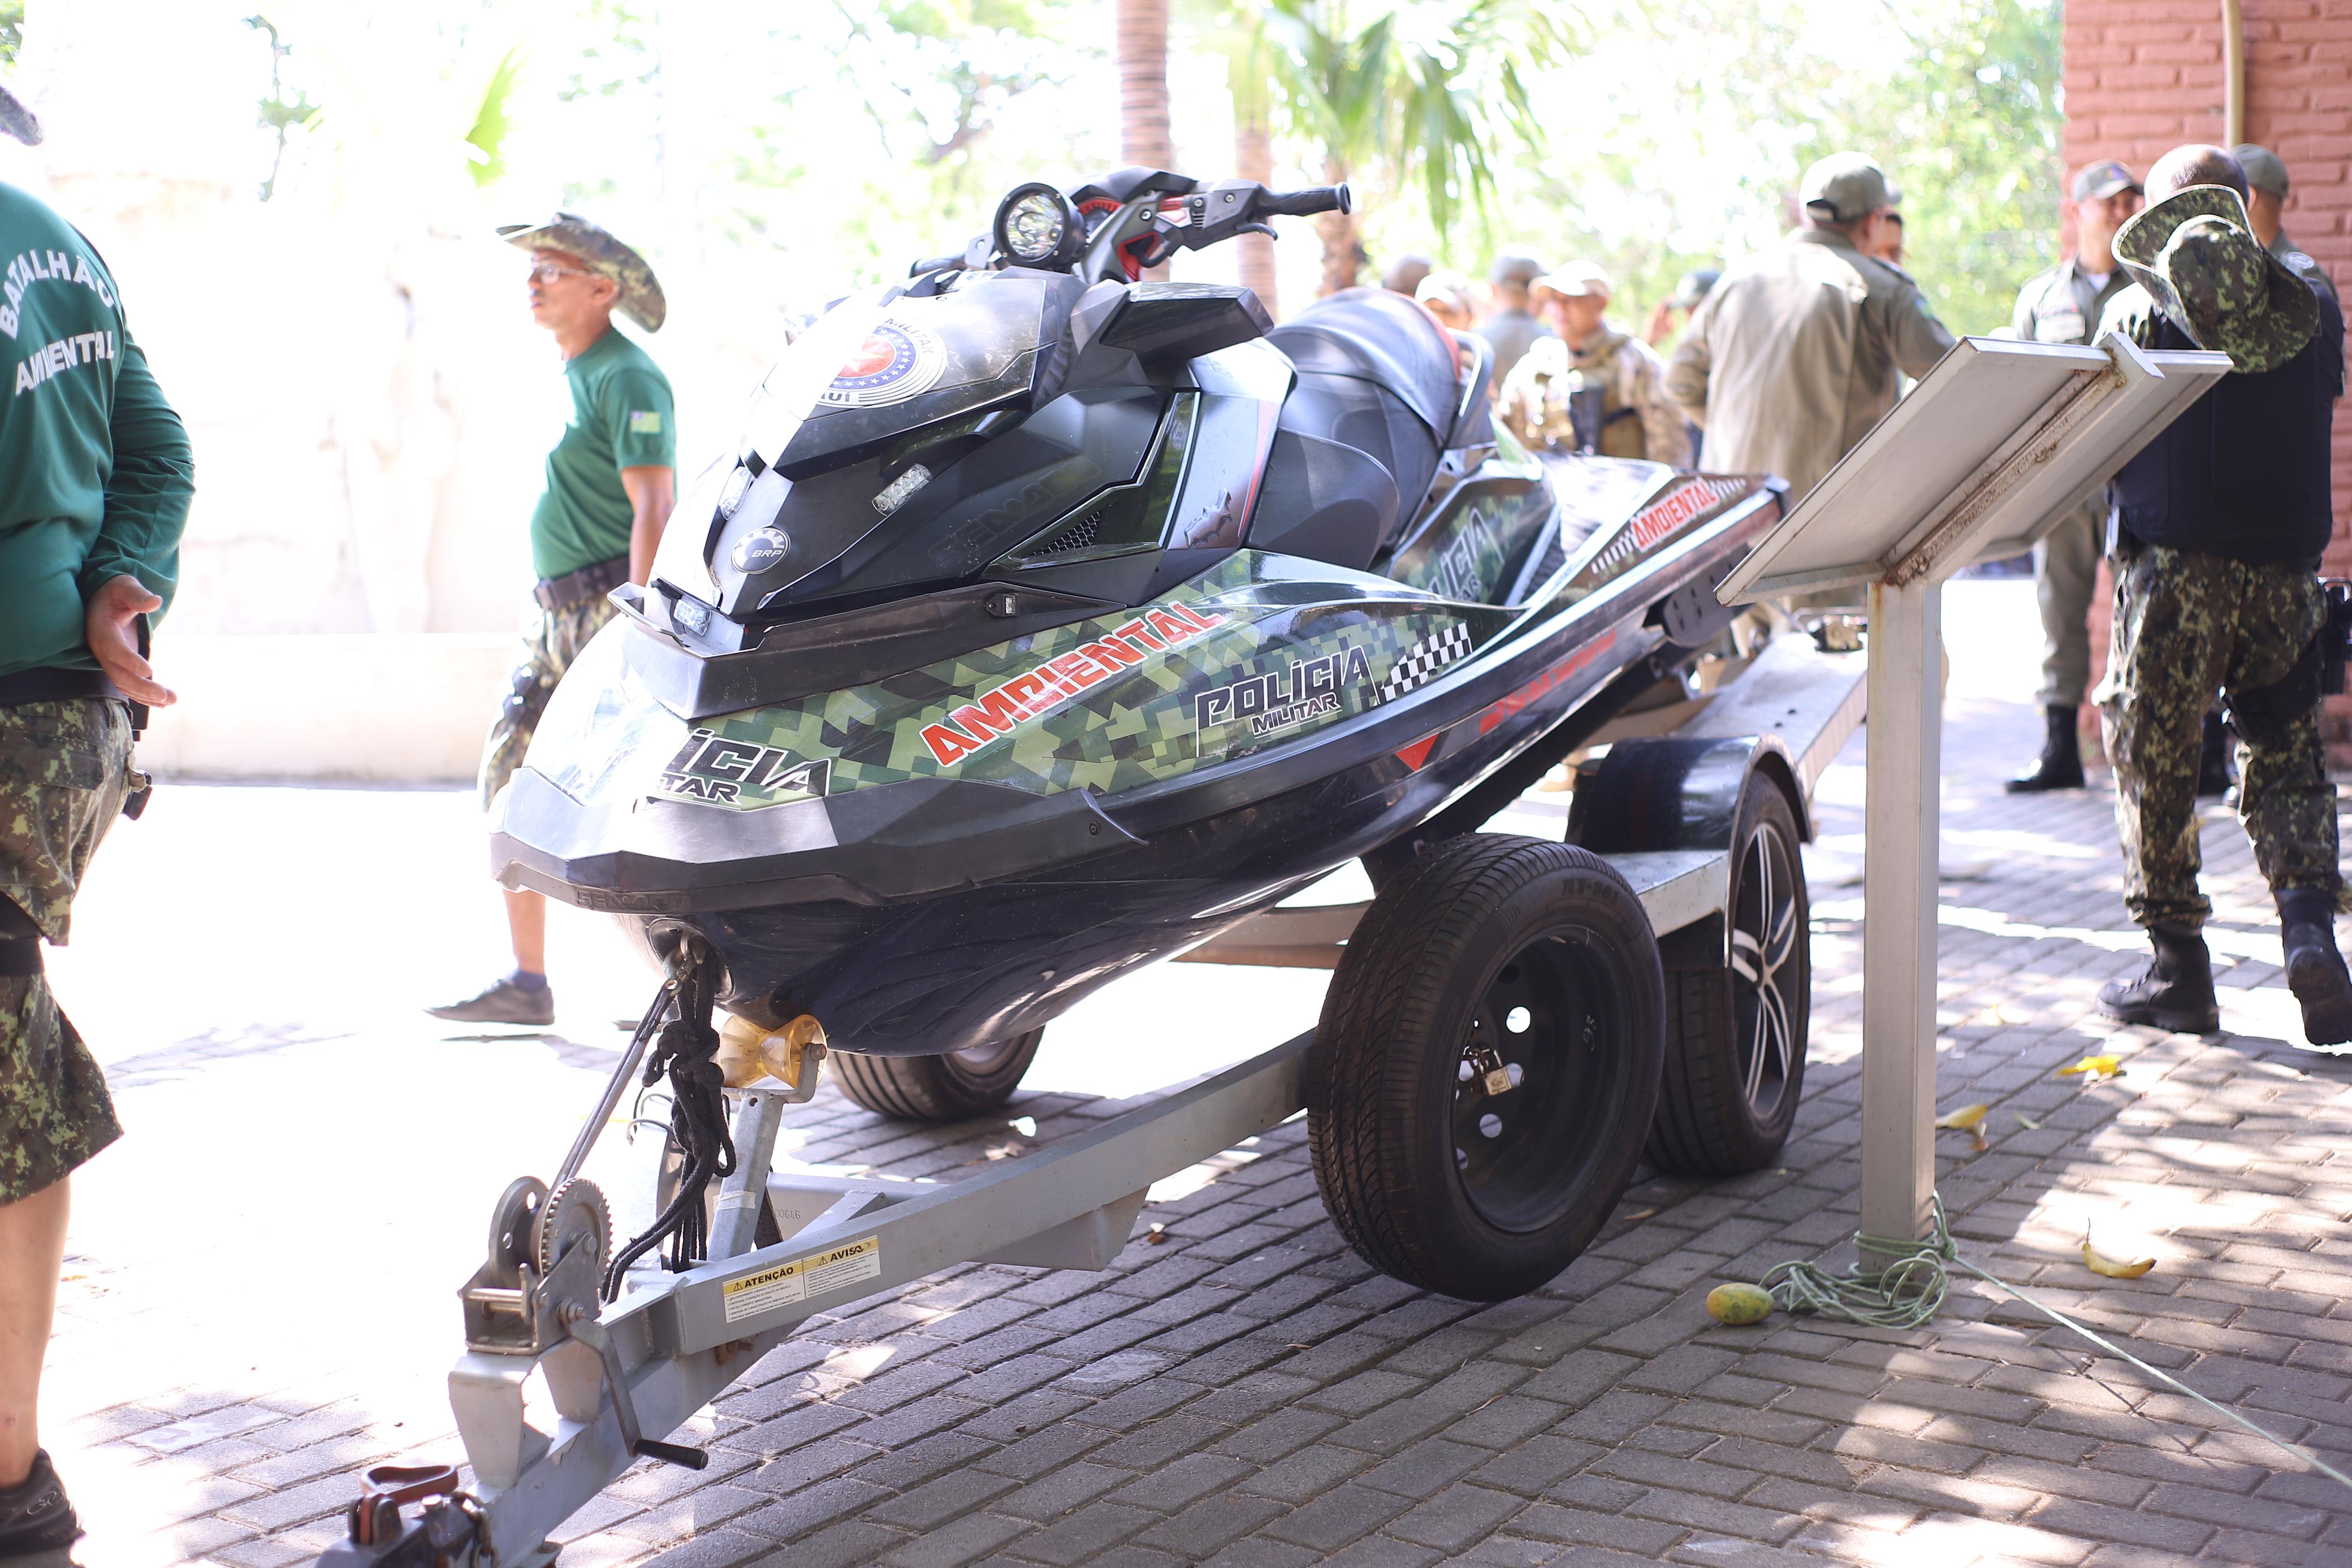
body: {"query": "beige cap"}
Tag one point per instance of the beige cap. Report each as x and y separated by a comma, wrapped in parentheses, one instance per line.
(1575, 279)
(1845, 186)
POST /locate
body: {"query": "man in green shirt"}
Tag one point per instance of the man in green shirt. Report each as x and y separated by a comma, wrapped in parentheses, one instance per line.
(95, 477)
(610, 481)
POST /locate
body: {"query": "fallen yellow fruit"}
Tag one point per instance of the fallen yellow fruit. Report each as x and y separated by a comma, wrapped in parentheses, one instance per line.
(2098, 1264)
(1739, 1304)
(2099, 1066)
(1965, 1119)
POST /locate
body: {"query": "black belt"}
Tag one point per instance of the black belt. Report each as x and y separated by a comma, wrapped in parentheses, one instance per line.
(47, 686)
(588, 582)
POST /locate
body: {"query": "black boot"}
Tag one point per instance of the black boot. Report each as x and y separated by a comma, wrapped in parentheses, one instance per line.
(2060, 767)
(2176, 990)
(2213, 758)
(36, 1520)
(2314, 969)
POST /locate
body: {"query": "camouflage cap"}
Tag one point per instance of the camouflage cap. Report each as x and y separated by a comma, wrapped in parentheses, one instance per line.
(641, 294)
(2196, 254)
(17, 120)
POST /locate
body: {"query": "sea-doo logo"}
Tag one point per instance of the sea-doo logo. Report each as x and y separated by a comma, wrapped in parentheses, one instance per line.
(1456, 572)
(760, 550)
(1284, 698)
(898, 360)
(996, 713)
(717, 772)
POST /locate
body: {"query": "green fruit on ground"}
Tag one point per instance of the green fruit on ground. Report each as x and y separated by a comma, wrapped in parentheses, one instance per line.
(1738, 1304)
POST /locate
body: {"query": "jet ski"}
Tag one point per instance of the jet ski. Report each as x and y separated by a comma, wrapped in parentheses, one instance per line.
(1048, 620)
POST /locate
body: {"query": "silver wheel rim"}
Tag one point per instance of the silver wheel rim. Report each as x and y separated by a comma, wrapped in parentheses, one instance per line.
(979, 1061)
(1764, 940)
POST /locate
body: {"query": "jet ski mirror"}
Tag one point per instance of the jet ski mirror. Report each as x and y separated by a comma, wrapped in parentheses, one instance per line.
(1037, 225)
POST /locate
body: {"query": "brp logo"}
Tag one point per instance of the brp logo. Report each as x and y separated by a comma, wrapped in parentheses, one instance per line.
(761, 548)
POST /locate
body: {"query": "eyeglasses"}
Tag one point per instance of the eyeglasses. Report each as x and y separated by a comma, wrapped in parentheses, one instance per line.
(547, 272)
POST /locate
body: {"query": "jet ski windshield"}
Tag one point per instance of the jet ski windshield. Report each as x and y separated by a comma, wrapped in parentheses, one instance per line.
(860, 412)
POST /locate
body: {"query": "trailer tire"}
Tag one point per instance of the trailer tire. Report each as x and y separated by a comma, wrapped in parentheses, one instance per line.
(1540, 955)
(936, 1088)
(1736, 1029)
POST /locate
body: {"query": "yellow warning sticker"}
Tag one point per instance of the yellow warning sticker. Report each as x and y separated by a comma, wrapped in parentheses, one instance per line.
(797, 1280)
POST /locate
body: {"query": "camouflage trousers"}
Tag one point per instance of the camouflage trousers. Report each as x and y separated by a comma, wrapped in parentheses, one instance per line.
(64, 769)
(551, 639)
(2188, 625)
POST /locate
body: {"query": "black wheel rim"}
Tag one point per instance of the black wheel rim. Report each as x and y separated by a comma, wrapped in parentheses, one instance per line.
(1765, 940)
(1547, 1022)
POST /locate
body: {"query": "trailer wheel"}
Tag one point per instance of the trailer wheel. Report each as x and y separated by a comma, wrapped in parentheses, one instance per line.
(936, 1088)
(1735, 1031)
(1486, 1065)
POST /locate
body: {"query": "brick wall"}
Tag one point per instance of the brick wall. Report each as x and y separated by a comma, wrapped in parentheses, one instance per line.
(2144, 75)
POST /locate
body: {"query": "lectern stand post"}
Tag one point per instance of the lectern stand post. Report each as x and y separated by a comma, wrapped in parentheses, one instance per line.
(1898, 936)
(1997, 442)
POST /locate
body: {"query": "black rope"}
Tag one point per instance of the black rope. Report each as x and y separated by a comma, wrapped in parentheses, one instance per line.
(697, 1123)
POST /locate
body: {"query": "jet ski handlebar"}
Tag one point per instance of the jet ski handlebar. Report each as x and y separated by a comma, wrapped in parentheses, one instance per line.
(1305, 204)
(1101, 237)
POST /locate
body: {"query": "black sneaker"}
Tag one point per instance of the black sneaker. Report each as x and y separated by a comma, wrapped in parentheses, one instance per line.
(2314, 969)
(36, 1520)
(504, 1002)
(2174, 992)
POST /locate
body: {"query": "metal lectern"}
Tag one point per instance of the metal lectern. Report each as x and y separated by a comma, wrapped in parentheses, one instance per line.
(1996, 445)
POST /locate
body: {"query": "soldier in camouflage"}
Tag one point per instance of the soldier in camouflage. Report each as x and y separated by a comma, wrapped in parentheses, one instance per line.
(95, 479)
(1591, 387)
(610, 484)
(2220, 524)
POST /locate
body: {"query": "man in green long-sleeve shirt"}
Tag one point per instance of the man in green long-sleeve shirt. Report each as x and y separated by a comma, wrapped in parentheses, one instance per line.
(95, 477)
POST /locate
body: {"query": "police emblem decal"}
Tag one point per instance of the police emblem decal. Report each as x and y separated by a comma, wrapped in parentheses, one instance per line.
(897, 360)
(760, 550)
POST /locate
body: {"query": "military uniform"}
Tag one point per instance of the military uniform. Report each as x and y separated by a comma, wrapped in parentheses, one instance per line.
(2296, 256)
(95, 480)
(2063, 305)
(1511, 333)
(1636, 418)
(1796, 353)
(623, 416)
(2221, 522)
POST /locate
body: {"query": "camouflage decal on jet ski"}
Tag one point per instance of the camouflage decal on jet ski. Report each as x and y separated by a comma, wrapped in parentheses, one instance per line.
(1108, 704)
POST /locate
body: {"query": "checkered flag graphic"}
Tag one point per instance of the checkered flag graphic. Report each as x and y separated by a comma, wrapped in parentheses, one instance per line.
(1419, 662)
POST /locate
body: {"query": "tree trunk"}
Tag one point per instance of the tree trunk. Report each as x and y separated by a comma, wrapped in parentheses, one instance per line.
(1253, 159)
(1143, 127)
(1342, 240)
(1144, 137)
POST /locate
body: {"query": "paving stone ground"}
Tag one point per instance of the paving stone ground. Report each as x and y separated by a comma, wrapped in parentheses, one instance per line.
(1245, 1391)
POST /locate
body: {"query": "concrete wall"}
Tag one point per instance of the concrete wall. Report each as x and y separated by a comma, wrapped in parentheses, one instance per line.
(378, 707)
(2144, 75)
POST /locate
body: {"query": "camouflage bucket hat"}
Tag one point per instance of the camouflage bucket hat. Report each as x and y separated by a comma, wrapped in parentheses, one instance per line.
(641, 294)
(17, 120)
(2196, 254)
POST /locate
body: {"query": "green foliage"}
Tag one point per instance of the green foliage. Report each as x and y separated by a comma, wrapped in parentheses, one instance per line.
(12, 30)
(1971, 125)
(1677, 142)
(486, 136)
(1425, 92)
(281, 115)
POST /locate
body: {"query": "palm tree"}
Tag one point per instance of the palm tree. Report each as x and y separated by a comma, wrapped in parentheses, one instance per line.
(1143, 126)
(1421, 94)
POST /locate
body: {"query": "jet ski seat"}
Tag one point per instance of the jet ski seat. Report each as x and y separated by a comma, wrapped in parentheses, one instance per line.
(1360, 434)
